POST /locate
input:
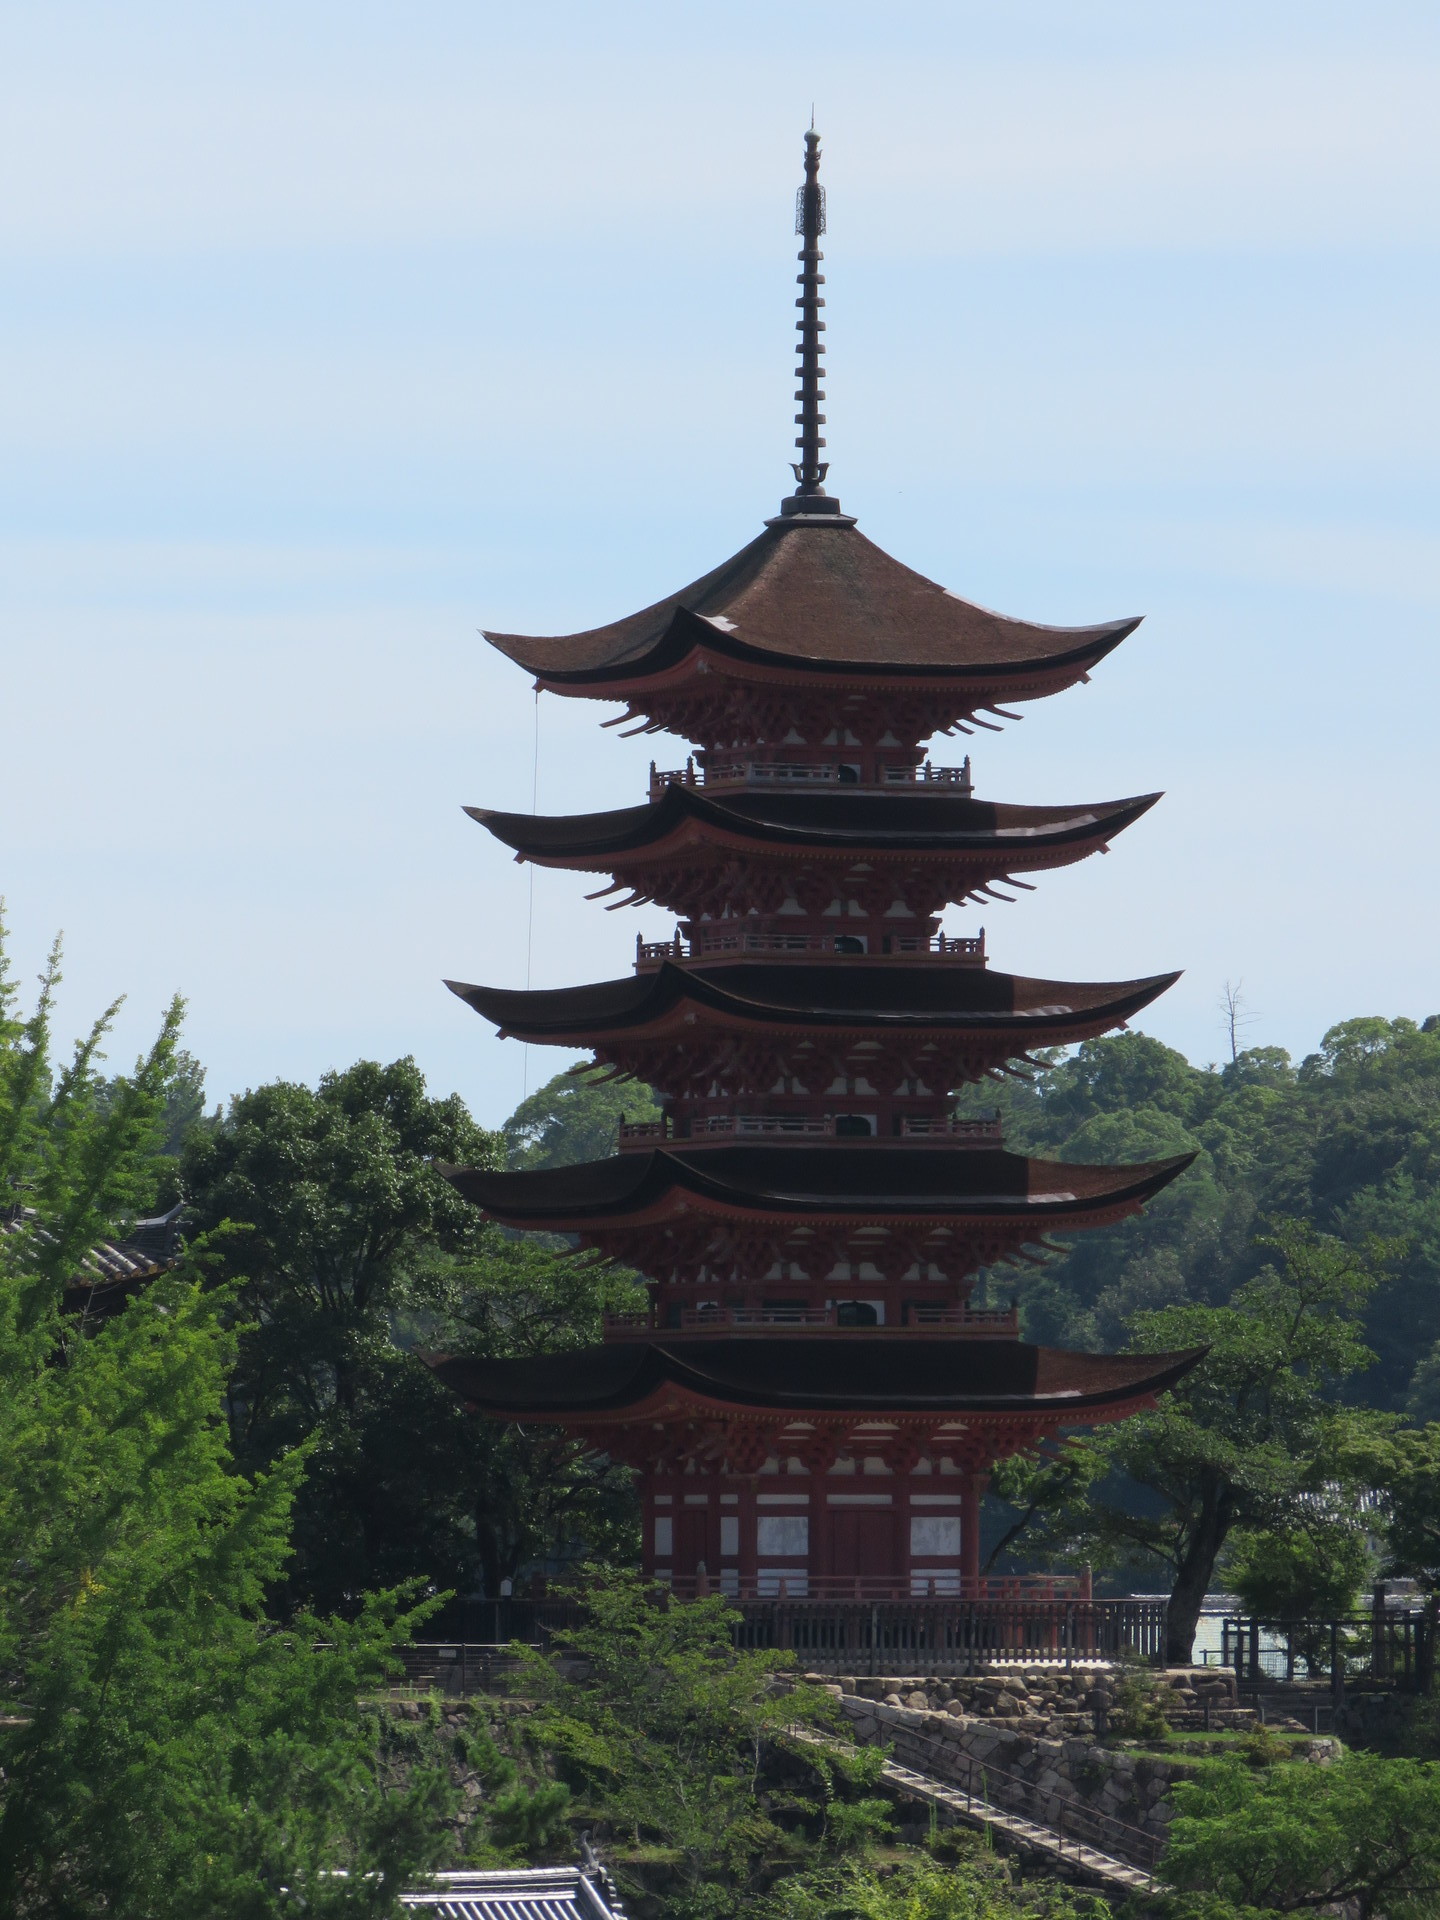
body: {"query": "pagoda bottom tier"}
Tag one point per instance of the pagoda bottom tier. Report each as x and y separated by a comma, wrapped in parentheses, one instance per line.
(814, 1466)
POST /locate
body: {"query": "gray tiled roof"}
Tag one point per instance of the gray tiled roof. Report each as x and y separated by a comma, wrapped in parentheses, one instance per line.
(525, 1893)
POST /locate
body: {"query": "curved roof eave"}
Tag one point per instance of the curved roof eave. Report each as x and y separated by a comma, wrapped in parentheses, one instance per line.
(813, 597)
(626, 1184)
(873, 1376)
(639, 1000)
(643, 828)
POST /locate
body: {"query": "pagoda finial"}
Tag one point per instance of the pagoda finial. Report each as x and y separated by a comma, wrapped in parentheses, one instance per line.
(810, 498)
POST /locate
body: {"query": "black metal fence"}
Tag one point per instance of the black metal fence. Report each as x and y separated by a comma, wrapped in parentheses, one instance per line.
(930, 1636)
(951, 1636)
(1390, 1646)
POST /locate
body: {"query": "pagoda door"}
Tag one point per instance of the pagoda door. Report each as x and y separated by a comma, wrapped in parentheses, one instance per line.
(693, 1543)
(863, 1545)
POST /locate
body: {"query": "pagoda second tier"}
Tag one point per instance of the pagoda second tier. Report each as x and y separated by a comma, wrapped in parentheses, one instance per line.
(811, 624)
(892, 855)
(764, 1221)
(730, 1405)
(909, 1032)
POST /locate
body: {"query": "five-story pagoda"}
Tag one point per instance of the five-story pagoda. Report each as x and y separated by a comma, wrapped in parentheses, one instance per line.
(811, 1402)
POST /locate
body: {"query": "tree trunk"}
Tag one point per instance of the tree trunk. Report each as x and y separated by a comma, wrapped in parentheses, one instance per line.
(1192, 1578)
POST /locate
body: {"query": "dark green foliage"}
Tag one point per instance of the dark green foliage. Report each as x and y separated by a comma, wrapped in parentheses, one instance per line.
(971, 1884)
(1348, 1141)
(355, 1254)
(1293, 1839)
(168, 1750)
(1313, 1569)
(574, 1117)
(1249, 1438)
(676, 1741)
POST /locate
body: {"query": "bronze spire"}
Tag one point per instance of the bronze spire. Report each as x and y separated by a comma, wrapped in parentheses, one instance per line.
(809, 497)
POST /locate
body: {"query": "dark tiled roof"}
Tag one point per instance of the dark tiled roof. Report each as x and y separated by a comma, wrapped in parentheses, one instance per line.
(838, 994)
(836, 820)
(873, 1180)
(814, 596)
(912, 1376)
(113, 1269)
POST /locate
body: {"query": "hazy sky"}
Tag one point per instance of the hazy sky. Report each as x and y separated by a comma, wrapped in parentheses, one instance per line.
(333, 333)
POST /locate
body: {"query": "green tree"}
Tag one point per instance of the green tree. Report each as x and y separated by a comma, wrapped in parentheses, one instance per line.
(1360, 1836)
(1313, 1569)
(973, 1884)
(668, 1731)
(355, 1255)
(169, 1750)
(1246, 1439)
(574, 1117)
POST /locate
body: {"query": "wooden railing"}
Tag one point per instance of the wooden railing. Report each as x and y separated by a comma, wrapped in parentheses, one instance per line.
(713, 942)
(995, 1323)
(810, 773)
(980, 1133)
(707, 1129)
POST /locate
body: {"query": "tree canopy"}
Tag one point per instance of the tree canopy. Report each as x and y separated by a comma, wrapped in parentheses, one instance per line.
(169, 1747)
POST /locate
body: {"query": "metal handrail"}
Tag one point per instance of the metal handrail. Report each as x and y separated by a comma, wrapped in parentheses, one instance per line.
(1135, 1838)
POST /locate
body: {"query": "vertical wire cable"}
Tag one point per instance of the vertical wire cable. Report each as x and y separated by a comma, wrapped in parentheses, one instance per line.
(530, 876)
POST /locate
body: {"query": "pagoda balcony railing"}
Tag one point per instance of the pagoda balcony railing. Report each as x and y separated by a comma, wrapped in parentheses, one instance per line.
(980, 1133)
(729, 1126)
(710, 1127)
(806, 773)
(713, 942)
(778, 1585)
(994, 1323)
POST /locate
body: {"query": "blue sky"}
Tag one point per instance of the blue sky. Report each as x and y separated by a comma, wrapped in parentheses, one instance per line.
(332, 334)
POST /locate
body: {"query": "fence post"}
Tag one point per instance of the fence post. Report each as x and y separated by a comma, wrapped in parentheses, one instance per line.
(1337, 1671)
(1254, 1653)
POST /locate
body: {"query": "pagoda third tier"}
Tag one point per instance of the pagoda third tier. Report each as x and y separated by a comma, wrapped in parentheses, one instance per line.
(899, 1036)
(899, 1229)
(880, 861)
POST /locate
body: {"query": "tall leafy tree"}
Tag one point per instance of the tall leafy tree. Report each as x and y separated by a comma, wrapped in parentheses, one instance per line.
(353, 1254)
(1247, 1440)
(574, 1117)
(168, 1748)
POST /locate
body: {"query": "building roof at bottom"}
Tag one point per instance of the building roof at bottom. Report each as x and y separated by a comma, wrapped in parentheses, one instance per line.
(812, 1373)
(518, 1893)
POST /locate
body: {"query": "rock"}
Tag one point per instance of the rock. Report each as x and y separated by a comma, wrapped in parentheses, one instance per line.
(892, 1700)
(917, 1700)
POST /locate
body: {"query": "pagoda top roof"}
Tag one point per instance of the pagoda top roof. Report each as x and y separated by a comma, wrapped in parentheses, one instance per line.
(812, 594)
(874, 1180)
(924, 1376)
(837, 819)
(847, 993)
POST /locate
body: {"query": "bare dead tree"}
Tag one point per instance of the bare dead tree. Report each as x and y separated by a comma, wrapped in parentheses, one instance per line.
(1236, 1012)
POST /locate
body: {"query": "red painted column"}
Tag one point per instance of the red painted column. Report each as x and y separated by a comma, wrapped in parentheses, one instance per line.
(972, 1492)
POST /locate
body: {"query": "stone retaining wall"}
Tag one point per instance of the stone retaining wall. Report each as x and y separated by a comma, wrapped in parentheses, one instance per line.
(1055, 1702)
(1039, 1726)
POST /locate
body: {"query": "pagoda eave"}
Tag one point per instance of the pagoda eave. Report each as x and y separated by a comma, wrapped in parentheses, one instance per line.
(673, 1002)
(879, 827)
(805, 1379)
(849, 1185)
(812, 597)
